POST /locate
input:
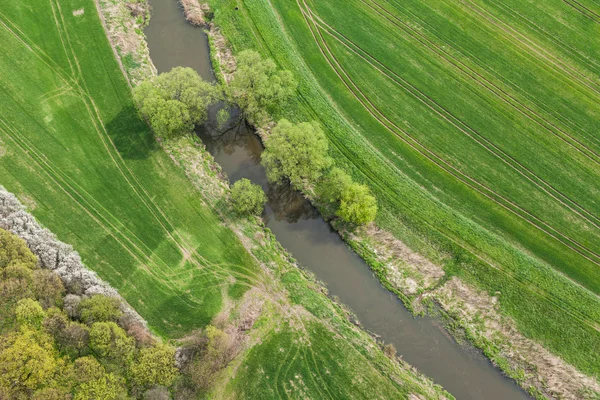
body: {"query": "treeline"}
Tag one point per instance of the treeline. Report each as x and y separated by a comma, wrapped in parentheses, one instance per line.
(59, 345)
(174, 103)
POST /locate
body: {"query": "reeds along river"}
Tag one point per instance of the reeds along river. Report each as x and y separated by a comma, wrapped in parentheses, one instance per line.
(422, 342)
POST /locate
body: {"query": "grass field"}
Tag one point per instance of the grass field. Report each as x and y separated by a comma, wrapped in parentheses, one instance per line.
(476, 123)
(74, 150)
(75, 147)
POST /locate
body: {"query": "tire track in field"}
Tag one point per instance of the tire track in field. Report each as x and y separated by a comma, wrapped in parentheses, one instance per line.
(74, 195)
(556, 62)
(527, 285)
(54, 173)
(551, 60)
(138, 188)
(383, 188)
(591, 63)
(442, 164)
(463, 127)
(487, 84)
(542, 293)
(583, 10)
(49, 62)
(519, 91)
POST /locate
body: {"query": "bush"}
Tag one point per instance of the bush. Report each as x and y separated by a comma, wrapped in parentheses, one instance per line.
(247, 198)
(357, 205)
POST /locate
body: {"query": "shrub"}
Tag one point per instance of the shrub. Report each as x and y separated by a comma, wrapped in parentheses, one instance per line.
(247, 198)
(357, 205)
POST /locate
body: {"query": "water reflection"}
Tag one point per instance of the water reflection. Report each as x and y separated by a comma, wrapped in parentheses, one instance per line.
(238, 142)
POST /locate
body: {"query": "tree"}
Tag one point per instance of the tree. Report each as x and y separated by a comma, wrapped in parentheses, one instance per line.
(48, 288)
(258, 85)
(88, 369)
(217, 351)
(154, 366)
(176, 101)
(107, 387)
(357, 205)
(29, 313)
(14, 250)
(298, 152)
(99, 308)
(109, 340)
(27, 362)
(247, 198)
(50, 394)
(330, 189)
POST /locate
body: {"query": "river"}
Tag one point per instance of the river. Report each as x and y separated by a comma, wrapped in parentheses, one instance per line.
(422, 342)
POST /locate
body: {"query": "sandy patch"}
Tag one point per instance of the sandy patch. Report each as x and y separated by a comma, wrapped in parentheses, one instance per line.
(78, 12)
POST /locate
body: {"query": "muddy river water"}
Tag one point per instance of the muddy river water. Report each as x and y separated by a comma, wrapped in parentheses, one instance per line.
(423, 342)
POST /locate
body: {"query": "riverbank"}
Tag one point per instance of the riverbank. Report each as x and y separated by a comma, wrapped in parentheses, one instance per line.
(289, 315)
(476, 314)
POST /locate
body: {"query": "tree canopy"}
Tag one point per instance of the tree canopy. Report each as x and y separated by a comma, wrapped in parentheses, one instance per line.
(174, 102)
(258, 85)
(247, 198)
(47, 353)
(99, 308)
(357, 205)
(296, 151)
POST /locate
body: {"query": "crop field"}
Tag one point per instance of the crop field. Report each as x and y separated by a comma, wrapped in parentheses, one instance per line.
(476, 123)
(74, 148)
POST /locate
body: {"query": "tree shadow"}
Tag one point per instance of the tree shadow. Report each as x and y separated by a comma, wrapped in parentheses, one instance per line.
(131, 135)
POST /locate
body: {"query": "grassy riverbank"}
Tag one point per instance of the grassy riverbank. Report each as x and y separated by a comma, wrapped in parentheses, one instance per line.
(150, 218)
(406, 104)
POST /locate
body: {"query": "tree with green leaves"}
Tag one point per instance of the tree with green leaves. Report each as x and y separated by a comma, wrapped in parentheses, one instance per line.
(331, 187)
(258, 86)
(109, 340)
(99, 308)
(27, 362)
(296, 151)
(247, 198)
(106, 387)
(48, 288)
(174, 102)
(154, 366)
(29, 313)
(357, 205)
(14, 250)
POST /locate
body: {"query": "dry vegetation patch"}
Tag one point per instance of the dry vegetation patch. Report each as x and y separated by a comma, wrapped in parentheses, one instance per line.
(479, 314)
(221, 53)
(194, 11)
(126, 36)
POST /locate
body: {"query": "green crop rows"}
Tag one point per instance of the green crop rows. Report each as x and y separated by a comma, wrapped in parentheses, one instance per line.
(476, 123)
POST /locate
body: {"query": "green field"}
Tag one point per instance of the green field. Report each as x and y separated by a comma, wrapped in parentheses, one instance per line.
(74, 150)
(476, 123)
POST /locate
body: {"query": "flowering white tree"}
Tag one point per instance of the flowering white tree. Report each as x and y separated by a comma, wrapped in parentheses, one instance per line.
(56, 255)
